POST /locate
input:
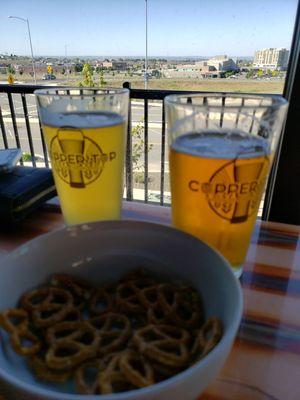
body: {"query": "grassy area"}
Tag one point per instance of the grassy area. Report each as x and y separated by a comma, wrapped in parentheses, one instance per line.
(211, 85)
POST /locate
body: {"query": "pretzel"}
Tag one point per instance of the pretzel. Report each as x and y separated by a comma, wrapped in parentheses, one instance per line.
(176, 308)
(114, 331)
(127, 299)
(24, 342)
(86, 377)
(101, 301)
(156, 342)
(136, 369)
(148, 296)
(72, 349)
(208, 337)
(43, 372)
(79, 288)
(40, 299)
(13, 318)
(114, 382)
(111, 379)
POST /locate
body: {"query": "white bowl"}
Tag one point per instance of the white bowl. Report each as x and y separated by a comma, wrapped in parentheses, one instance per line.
(105, 251)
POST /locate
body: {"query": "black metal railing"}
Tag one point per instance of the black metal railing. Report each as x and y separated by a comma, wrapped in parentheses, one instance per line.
(21, 128)
(32, 136)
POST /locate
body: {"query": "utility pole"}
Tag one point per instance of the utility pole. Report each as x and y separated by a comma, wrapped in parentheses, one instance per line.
(146, 56)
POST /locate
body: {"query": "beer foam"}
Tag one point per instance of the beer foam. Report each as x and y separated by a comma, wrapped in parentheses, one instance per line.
(221, 144)
(82, 120)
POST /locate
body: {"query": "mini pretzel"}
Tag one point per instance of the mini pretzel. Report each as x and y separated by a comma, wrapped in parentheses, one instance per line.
(80, 289)
(176, 308)
(127, 299)
(114, 331)
(157, 344)
(40, 299)
(50, 315)
(13, 318)
(43, 372)
(136, 369)
(86, 377)
(72, 349)
(111, 379)
(24, 342)
(114, 382)
(101, 302)
(208, 337)
(67, 330)
(148, 296)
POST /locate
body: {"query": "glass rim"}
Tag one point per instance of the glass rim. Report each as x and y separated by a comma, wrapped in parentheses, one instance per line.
(277, 100)
(52, 91)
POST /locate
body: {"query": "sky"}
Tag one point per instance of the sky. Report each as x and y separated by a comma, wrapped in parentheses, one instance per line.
(117, 27)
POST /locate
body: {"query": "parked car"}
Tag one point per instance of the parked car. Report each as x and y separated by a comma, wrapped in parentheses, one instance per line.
(49, 77)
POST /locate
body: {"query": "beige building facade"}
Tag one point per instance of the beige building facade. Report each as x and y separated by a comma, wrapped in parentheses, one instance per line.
(272, 58)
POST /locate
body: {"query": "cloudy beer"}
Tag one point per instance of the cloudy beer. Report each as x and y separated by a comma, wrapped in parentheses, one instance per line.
(86, 152)
(217, 181)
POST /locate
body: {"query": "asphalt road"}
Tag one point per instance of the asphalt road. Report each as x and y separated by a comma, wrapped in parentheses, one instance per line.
(154, 126)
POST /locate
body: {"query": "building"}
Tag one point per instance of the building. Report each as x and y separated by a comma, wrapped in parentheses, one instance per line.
(116, 65)
(271, 59)
(220, 63)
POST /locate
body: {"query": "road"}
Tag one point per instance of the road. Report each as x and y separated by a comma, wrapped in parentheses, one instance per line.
(154, 126)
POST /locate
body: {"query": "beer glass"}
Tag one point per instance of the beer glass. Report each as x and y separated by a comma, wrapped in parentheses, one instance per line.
(84, 130)
(221, 150)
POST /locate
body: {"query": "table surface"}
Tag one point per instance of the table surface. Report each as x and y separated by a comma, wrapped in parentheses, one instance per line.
(265, 359)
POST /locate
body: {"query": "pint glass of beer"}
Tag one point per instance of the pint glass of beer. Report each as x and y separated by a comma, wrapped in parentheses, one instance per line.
(84, 130)
(221, 151)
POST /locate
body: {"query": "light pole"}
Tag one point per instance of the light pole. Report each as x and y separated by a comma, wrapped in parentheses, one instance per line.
(66, 46)
(32, 59)
(146, 57)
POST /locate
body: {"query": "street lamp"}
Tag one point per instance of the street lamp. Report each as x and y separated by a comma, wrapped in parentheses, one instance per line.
(66, 46)
(32, 59)
(146, 57)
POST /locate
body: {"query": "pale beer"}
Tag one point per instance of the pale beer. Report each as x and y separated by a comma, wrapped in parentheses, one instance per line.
(217, 181)
(86, 152)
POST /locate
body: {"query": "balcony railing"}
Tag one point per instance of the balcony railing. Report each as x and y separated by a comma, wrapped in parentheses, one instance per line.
(20, 127)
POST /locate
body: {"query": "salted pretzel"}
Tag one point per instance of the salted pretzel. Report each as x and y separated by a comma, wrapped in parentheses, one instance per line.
(86, 377)
(13, 318)
(136, 369)
(79, 344)
(44, 373)
(208, 337)
(177, 309)
(102, 301)
(24, 342)
(114, 331)
(111, 379)
(158, 344)
(79, 288)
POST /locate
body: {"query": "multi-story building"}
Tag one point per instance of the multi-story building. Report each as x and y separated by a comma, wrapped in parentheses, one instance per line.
(271, 59)
(220, 63)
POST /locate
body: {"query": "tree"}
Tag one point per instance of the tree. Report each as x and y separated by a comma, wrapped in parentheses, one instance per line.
(250, 74)
(156, 73)
(78, 67)
(11, 70)
(63, 71)
(102, 82)
(87, 72)
(138, 144)
(260, 73)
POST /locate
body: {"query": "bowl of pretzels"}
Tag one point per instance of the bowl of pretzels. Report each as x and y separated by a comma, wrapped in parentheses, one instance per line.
(115, 310)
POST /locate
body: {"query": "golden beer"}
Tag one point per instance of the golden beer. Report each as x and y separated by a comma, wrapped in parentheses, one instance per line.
(86, 152)
(217, 182)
